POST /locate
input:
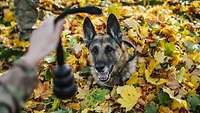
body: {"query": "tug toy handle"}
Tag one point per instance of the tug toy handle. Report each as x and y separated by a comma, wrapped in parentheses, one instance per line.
(64, 85)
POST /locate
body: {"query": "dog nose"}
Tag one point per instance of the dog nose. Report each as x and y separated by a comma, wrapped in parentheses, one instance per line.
(100, 68)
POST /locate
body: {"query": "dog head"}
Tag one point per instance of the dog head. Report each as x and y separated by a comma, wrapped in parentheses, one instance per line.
(106, 51)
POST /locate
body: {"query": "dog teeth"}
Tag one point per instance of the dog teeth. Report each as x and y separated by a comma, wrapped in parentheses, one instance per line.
(103, 76)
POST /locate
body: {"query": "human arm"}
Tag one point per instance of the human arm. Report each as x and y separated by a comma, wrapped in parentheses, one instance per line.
(18, 83)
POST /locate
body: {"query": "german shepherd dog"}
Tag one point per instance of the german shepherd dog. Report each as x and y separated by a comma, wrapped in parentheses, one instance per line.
(108, 53)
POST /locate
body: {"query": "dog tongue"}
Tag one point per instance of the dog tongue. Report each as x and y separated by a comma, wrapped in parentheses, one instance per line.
(103, 76)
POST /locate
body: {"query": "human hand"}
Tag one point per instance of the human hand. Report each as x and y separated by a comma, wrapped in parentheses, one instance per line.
(43, 40)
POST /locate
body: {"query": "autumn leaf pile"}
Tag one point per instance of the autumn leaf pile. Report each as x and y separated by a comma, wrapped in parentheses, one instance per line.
(166, 34)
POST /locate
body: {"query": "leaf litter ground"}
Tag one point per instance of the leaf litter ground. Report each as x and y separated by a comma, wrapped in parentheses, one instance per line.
(166, 34)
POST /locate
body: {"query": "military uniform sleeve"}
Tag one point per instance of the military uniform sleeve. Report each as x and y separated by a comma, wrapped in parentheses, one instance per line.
(15, 86)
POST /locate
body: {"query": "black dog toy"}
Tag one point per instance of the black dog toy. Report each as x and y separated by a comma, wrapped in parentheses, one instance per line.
(64, 85)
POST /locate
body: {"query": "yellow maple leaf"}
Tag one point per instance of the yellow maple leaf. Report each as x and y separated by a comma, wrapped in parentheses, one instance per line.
(8, 15)
(195, 57)
(73, 105)
(43, 111)
(132, 23)
(195, 4)
(82, 61)
(169, 32)
(195, 81)
(133, 79)
(142, 68)
(159, 56)
(13, 23)
(144, 31)
(152, 64)
(178, 105)
(132, 34)
(155, 81)
(115, 9)
(82, 3)
(87, 110)
(164, 109)
(176, 58)
(19, 43)
(72, 60)
(177, 101)
(129, 96)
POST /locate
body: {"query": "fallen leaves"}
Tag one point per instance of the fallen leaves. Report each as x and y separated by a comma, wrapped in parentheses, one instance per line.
(194, 102)
(155, 81)
(9, 16)
(42, 91)
(114, 8)
(165, 34)
(95, 97)
(75, 106)
(159, 56)
(177, 101)
(170, 48)
(129, 96)
(133, 79)
(82, 93)
(151, 108)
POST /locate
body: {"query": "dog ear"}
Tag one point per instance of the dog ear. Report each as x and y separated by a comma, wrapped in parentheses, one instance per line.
(113, 28)
(89, 30)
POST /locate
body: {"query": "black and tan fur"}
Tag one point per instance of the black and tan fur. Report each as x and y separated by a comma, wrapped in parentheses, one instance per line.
(108, 54)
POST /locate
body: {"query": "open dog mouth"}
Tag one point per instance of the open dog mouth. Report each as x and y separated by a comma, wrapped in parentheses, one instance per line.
(105, 74)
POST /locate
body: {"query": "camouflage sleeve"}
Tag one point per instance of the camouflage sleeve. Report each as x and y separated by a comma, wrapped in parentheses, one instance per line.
(26, 15)
(15, 86)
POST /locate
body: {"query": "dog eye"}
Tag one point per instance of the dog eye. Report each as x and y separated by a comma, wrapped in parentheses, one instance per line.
(109, 49)
(94, 50)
